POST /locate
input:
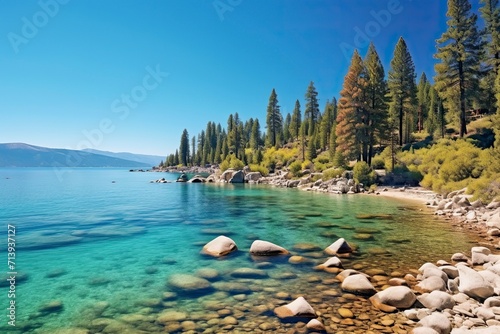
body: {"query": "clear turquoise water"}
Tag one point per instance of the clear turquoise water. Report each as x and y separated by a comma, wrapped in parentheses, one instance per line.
(106, 235)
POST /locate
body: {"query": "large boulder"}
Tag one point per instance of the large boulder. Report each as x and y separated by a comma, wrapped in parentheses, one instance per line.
(266, 248)
(253, 176)
(299, 308)
(339, 247)
(473, 284)
(237, 177)
(220, 246)
(480, 255)
(358, 284)
(394, 297)
(437, 321)
(437, 300)
(227, 175)
(494, 220)
(431, 283)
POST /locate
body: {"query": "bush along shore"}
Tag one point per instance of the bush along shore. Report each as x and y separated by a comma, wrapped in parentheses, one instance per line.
(458, 295)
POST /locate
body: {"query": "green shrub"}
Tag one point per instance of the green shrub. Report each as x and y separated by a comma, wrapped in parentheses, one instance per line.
(258, 168)
(231, 162)
(378, 162)
(332, 173)
(295, 168)
(363, 173)
(307, 164)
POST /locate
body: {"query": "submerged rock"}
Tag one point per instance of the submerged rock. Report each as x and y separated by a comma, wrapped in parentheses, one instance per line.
(51, 307)
(188, 284)
(249, 273)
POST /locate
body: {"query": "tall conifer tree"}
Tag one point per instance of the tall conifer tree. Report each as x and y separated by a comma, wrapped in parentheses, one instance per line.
(402, 87)
(459, 50)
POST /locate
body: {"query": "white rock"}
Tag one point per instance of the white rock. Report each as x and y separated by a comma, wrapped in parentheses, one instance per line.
(473, 284)
(492, 302)
(266, 248)
(400, 297)
(459, 257)
(358, 284)
(298, 308)
(338, 247)
(484, 313)
(333, 262)
(423, 330)
(480, 255)
(450, 271)
(437, 321)
(220, 246)
(315, 325)
(428, 272)
(438, 300)
(431, 283)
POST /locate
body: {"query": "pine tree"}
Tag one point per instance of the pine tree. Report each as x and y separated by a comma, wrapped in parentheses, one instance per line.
(326, 124)
(193, 155)
(350, 129)
(332, 145)
(459, 50)
(423, 101)
(402, 87)
(490, 11)
(286, 128)
(491, 15)
(312, 113)
(303, 139)
(234, 134)
(432, 122)
(255, 135)
(274, 120)
(296, 121)
(311, 147)
(176, 158)
(496, 119)
(376, 92)
(184, 148)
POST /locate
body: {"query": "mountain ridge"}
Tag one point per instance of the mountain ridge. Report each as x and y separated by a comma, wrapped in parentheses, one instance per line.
(26, 155)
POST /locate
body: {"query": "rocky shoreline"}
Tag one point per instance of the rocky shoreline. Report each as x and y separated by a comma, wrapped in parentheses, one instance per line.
(461, 295)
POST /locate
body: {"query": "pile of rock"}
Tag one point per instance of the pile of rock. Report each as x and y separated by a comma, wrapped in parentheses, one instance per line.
(457, 205)
(162, 180)
(235, 176)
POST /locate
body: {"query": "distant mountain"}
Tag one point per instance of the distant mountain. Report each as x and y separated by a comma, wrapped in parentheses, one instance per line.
(150, 160)
(24, 155)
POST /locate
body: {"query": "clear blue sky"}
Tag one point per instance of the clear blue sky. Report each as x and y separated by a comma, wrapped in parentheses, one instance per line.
(73, 69)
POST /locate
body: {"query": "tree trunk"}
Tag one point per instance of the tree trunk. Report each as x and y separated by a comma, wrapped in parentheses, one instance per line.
(401, 123)
(463, 120)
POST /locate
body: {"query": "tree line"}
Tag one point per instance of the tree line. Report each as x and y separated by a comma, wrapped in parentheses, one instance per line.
(373, 109)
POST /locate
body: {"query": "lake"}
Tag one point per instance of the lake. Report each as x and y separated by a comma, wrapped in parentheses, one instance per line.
(95, 248)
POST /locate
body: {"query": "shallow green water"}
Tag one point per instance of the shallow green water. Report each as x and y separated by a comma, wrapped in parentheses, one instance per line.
(104, 242)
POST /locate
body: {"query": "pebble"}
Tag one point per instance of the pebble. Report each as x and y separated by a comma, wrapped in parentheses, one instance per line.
(345, 313)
